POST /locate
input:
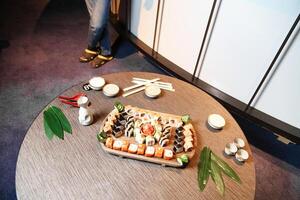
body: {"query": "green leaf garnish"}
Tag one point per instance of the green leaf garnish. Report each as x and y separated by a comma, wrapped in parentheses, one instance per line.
(53, 123)
(203, 168)
(185, 119)
(119, 106)
(48, 131)
(225, 168)
(62, 118)
(216, 176)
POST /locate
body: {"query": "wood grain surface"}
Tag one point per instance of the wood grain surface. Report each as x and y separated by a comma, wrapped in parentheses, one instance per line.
(78, 168)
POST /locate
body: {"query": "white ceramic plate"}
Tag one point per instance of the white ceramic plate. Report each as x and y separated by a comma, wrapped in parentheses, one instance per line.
(111, 90)
(97, 83)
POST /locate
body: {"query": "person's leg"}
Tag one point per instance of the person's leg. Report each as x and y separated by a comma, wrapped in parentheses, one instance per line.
(98, 23)
(105, 43)
(90, 4)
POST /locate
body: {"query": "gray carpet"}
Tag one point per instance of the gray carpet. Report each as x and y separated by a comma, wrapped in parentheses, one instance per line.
(42, 61)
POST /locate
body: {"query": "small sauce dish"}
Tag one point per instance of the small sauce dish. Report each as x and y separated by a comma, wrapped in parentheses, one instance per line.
(230, 149)
(241, 155)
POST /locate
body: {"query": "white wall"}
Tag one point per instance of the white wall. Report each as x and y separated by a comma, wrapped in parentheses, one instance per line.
(246, 36)
(143, 17)
(281, 96)
(182, 30)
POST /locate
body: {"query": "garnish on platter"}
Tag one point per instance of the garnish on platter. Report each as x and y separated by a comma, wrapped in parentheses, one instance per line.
(147, 135)
(211, 164)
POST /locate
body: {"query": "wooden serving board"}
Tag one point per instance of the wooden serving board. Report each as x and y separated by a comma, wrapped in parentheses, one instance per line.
(172, 163)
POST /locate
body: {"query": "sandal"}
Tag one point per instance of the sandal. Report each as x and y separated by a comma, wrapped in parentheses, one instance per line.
(100, 60)
(87, 55)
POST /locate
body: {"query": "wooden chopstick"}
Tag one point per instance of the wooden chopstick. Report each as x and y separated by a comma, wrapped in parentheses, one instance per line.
(140, 84)
(134, 91)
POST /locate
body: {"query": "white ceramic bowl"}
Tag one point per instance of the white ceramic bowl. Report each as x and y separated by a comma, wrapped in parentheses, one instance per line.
(97, 83)
(241, 155)
(216, 121)
(111, 90)
(230, 149)
(239, 142)
(152, 91)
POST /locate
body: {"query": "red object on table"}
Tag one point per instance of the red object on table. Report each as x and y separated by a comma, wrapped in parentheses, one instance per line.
(71, 100)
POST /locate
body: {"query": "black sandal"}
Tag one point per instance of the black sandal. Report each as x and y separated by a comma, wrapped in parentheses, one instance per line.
(88, 55)
(100, 60)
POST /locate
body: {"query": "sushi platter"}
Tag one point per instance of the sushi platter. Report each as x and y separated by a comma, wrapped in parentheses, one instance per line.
(147, 135)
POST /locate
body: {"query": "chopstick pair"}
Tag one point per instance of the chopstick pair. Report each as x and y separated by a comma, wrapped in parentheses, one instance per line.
(141, 84)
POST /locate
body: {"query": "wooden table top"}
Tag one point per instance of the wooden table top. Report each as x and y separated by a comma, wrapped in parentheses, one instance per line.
(78, 168)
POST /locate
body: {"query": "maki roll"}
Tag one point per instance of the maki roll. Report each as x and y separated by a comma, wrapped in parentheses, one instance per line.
(168, 154)
(166, 130)
(150, 150)
(188, 146)
(177, 142)
(150, 140)
(141, 149)
(178, 148)
(179, 138)
(109, 143)
(124, 146)
(117, 145)
(157, 136)
(159, 152)
(129, 131)
(133, 148)
(140, 139)
(164, 141)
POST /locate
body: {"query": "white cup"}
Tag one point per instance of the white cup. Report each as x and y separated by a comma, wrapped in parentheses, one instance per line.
(240, 143)
(230, 149)
(241, 155)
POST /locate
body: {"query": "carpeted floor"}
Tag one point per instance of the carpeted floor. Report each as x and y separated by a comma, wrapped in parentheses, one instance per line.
(42, 61)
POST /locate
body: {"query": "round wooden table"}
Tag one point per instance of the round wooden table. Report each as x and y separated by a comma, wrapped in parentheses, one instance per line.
(77, 167)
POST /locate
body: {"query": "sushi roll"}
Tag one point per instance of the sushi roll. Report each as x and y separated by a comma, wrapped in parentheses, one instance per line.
(117, 131)
(133, 148)
(150, 141)
(141, 149)
(177, 142)
(158, 127)
(179, 138)
(188, 139)
(188, 146)
(150, 150)
(166, 130)
(124, 146)
(187, 133)
(129, 131)
(157, 136)
(168, 154)
(140, 139)
(117, 145)
(138, 123)
(129, 121)
(109, 143)
(164, 142)
(178, 148)
(159, 152)
(136, 132)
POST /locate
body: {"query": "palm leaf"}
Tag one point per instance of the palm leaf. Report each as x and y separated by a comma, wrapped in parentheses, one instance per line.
(53, 123)
(225, 168)
(203, 168)
(62, 118)
(217, 177)
(48, 131)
